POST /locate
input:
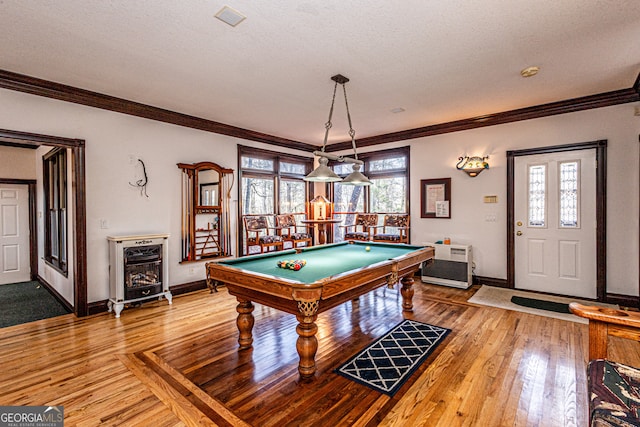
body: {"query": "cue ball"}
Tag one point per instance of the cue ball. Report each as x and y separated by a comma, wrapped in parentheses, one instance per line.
(367, 249)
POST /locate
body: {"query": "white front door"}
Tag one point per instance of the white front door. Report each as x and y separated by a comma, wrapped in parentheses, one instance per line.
(14, 234)
(555, 223)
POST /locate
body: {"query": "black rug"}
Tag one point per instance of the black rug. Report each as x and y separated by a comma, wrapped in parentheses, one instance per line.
(558, 307)
(26, 302)
(387, 363)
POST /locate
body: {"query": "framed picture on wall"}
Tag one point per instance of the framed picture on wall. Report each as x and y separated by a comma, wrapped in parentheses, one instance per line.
(435, 198)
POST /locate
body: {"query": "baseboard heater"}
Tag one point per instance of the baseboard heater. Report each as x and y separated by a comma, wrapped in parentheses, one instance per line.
(451, 266)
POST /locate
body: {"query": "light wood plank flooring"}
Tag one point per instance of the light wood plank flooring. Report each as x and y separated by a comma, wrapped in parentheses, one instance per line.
(179, 365)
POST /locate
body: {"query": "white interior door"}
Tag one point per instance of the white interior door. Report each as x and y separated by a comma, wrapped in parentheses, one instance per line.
(14, 234)
(555, 223)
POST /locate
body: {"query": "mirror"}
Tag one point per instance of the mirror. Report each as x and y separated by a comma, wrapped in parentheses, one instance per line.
(206, 189)
(208, 183)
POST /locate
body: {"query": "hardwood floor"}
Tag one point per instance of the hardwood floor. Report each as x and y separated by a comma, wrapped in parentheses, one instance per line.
(179, 365)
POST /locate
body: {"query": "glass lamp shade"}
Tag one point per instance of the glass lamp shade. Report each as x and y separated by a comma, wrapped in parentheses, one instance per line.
(356, 177)
(473, 172)
(322, 173)
(319, 199)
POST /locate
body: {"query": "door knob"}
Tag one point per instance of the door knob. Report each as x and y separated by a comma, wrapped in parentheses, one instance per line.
(519, 233)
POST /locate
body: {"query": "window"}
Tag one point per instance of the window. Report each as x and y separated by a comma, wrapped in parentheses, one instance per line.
(55, 202)
(389, 189)
(388, 170)
(257, 195)
(292, 196)
(272, 183)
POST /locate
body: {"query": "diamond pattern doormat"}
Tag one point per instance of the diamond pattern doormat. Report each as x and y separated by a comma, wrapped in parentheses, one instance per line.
(387, 363)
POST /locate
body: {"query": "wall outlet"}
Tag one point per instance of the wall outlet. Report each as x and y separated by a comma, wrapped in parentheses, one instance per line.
(192, 271)
(104, 224)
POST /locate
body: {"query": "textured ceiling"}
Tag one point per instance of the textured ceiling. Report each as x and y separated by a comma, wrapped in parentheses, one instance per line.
(440, 60)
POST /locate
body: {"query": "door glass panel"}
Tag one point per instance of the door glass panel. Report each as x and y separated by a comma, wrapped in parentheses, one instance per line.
(537, 196)
(569, 194)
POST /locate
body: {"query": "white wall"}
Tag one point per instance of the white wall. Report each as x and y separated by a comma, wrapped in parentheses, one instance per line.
(17, 163)
(112, 138)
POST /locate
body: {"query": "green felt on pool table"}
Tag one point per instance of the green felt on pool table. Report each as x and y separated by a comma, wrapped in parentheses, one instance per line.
(322, 261)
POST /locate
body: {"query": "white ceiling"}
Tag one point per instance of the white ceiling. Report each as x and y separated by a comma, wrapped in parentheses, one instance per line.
(440, 60)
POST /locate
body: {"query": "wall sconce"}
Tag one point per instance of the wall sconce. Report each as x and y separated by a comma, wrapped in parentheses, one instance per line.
(472, 165)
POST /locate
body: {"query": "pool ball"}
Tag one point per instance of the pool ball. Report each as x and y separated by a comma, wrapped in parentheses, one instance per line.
(367, 249)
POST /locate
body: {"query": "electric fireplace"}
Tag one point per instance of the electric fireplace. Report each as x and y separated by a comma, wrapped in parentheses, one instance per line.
(138, 269)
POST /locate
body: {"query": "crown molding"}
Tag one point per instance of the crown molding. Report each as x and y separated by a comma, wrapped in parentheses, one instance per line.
(561, 107)
(48, 89)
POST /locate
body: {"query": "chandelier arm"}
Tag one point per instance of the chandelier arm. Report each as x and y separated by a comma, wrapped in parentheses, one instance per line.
(352, 132)
(328, 125)
(341, 159)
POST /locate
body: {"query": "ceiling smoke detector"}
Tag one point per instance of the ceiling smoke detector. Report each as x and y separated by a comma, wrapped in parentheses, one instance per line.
(230, 16)
(529, 71)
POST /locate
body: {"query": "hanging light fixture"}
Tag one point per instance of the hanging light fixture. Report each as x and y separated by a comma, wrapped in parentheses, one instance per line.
(323, 173)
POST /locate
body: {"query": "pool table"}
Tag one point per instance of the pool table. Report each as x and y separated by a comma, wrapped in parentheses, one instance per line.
(333, 274)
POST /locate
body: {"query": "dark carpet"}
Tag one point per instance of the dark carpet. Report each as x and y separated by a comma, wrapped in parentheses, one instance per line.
(558, 307)
(387, 363)
(26, 302)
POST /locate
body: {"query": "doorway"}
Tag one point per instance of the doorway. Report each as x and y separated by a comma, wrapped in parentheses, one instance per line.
(77, 147)
(556, 236)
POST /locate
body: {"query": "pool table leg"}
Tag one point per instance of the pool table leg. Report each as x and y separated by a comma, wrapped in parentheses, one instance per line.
(407, 293)
(245, 322)
(307, 344)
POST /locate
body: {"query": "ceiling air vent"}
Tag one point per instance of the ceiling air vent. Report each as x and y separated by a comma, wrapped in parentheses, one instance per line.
(230, 16)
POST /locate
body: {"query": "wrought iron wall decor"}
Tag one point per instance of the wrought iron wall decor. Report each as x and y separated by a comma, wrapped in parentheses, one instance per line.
(142, 182)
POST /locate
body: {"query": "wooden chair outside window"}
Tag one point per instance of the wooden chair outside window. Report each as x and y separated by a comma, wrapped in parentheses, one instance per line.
(361, 227)
(288, 229)
(395, 229)
(257, 233)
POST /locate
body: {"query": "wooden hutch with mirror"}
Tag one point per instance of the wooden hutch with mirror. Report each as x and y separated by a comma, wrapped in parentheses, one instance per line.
(205, 210)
